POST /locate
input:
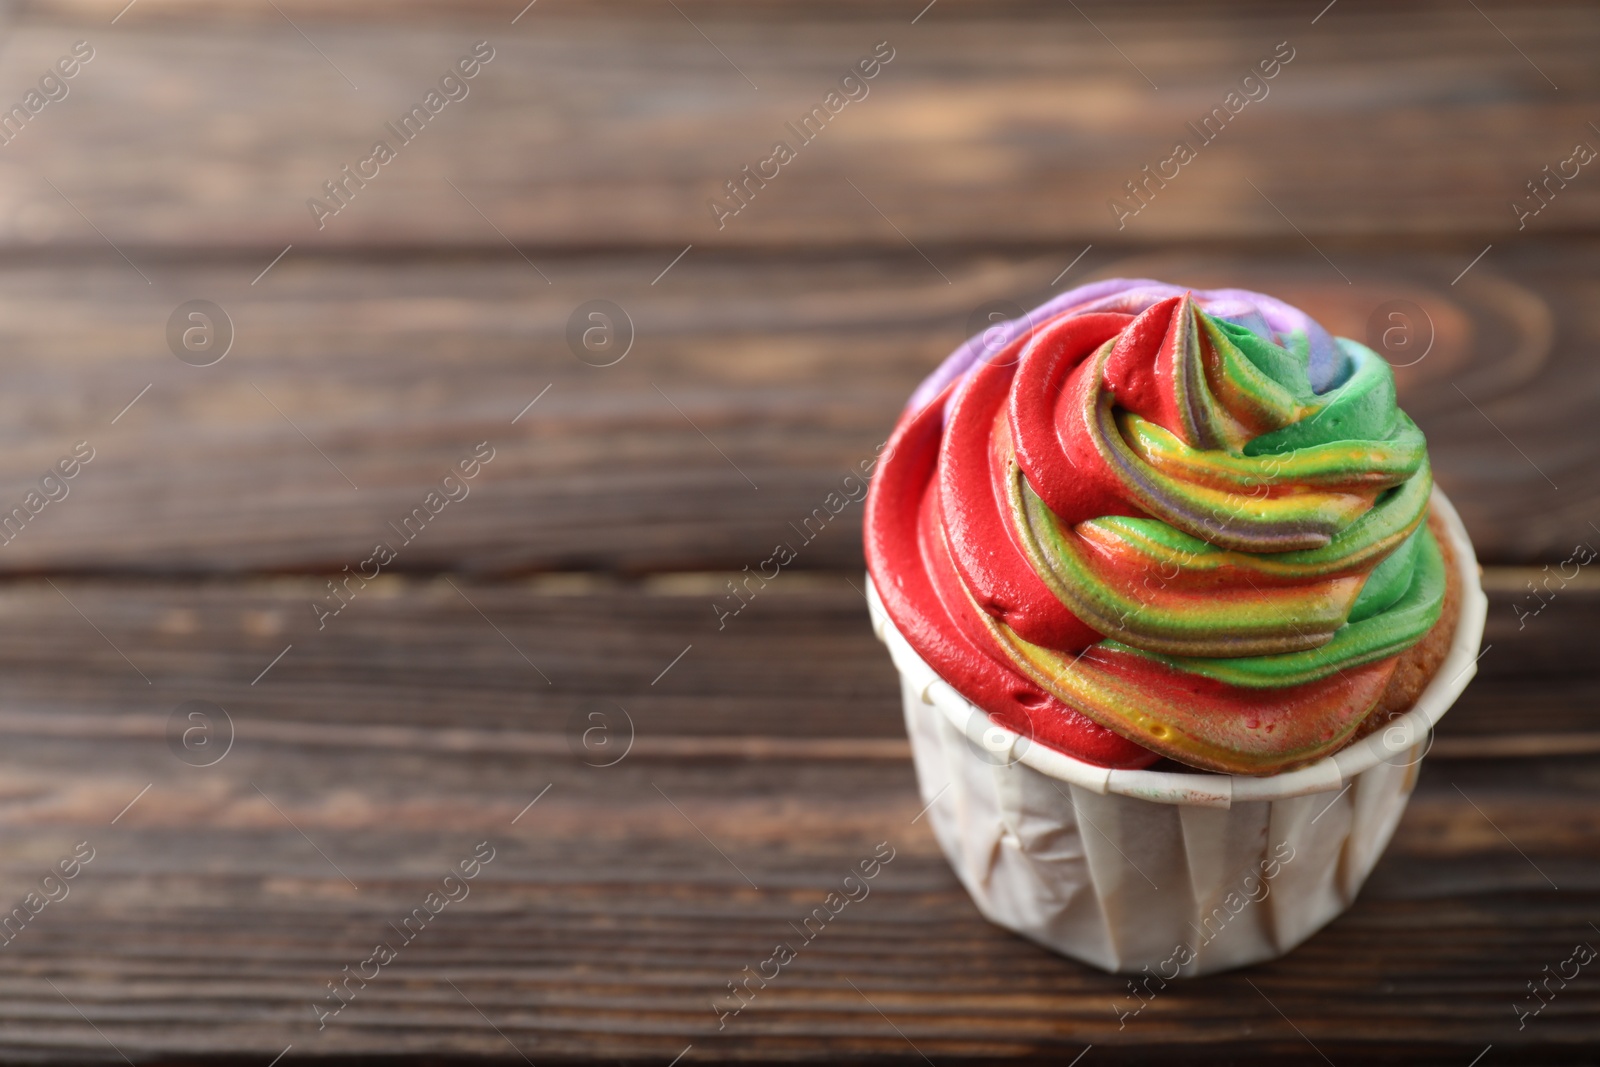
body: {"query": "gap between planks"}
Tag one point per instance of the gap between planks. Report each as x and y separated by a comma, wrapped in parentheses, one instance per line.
(458, 741)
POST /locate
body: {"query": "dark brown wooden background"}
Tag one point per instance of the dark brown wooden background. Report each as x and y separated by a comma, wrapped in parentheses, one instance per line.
(579, 575)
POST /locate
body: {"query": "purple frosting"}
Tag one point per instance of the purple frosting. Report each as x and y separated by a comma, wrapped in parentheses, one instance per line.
(1268, 318)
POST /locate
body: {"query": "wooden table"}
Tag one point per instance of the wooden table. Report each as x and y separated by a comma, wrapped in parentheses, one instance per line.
(268, 789)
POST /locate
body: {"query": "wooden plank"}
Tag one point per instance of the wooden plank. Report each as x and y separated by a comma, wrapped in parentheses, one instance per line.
(414, 666)
(204, 127)
(755, 386)
(1535, 672)
(404, 661)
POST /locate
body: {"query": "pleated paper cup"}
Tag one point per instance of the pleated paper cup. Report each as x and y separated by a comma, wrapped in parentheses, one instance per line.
(1180, 873)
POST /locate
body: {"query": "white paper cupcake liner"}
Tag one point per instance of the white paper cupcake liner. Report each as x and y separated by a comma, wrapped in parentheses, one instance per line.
(1172, 872)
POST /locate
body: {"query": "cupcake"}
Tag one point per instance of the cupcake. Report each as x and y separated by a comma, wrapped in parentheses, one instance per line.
(1175, 605)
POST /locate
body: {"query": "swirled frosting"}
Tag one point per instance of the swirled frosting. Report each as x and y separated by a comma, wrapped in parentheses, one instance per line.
(1144, 521)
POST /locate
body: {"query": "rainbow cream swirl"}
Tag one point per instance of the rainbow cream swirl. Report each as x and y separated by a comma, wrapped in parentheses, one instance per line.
(1144, 521)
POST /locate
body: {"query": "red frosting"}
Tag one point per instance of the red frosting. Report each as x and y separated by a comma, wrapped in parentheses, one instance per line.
(905, 546)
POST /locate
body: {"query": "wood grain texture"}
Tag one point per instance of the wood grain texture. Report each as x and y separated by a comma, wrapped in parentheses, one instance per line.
(450, 665)
(204, 127)
(755, 385)
(765, 760)
(619, 905)
(544, 669)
